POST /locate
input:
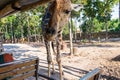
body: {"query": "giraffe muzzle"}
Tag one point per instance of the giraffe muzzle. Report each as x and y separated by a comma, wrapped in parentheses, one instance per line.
(50, 34)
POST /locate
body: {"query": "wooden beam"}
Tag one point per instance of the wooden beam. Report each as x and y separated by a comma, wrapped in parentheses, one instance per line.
(17, 72)
(32, 4)
(6, 11)
(93, 75)
(24, 76)
(27, 2)
(23, 5)
(11, 67)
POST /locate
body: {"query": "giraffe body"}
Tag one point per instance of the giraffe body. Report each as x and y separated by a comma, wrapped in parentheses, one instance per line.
(55, 18)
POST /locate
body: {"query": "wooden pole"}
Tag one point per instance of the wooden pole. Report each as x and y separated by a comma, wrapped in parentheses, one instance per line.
(23, 5)
(70, 35)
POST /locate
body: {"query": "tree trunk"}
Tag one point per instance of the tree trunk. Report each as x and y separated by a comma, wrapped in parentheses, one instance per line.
(70, 35)
(22, 35)
(119, 10)
(6, 32)
(75, 37)
(106, 27)
(12, 33)
(71, 26)
(80, 34)
(40, 35)
(28, 28)
(90, 31)
(35, 34)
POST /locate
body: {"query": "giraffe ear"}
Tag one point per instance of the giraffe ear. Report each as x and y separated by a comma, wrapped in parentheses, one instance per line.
(76, 7)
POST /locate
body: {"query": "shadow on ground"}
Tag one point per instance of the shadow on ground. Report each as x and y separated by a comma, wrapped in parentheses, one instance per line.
(117, 58)
(16, 50)
(98, 45)
(109, 77)
(67, 70)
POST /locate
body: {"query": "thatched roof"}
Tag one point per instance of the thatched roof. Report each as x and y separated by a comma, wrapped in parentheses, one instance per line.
(10, 6)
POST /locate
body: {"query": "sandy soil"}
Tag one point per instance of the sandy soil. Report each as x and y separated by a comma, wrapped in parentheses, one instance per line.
(88, 56)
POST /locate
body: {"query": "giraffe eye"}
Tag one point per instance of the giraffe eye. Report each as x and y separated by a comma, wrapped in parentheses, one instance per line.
(67, 11)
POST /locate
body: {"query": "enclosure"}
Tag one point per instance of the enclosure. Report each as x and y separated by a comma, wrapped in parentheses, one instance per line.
(90, 38)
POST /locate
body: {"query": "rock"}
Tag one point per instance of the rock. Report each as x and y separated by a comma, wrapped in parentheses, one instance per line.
(75, 51)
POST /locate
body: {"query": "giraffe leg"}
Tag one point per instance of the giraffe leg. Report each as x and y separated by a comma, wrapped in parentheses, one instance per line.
(53, 48)
(59, 60)
(49, 60)
(52, 56)
(53, 67)
(54, 53)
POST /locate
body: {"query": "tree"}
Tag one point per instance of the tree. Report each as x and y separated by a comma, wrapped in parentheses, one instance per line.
(119, 10)
(104, 15)
(9, 22)
(100, 9)
(90, 13)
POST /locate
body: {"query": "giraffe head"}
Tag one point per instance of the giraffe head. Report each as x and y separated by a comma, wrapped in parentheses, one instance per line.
(60, 11)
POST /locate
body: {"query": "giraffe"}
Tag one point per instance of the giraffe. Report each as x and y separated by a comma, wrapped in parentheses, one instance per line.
(56, 16)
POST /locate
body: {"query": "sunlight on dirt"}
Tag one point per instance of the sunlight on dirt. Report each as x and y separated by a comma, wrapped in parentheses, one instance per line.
(105, 56)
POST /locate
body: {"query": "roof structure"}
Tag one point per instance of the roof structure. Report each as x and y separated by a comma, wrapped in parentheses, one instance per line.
(8, 7)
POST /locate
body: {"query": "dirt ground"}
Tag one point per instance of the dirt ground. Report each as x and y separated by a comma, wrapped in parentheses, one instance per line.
(88, 56)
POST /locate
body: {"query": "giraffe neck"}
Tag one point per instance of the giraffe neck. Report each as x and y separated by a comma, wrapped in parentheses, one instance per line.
(49, 32)
(46, 19)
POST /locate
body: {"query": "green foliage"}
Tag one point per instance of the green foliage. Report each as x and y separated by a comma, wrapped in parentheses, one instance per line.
(18, 22)
(76, 1)
(117, 29)
(7, 35)
(95, 15)
(65, 30)
(97, 25)
(99, 8)
(114, 25)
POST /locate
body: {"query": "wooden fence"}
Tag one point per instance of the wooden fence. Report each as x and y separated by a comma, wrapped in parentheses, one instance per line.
(100, 35)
